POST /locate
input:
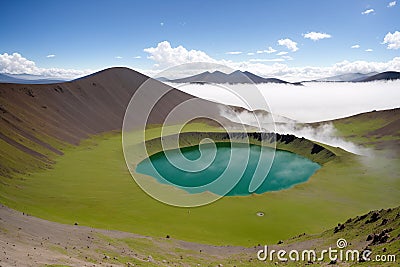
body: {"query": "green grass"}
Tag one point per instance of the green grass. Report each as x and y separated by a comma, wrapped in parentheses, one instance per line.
(169, 252)
(91, 185)
(360, 128)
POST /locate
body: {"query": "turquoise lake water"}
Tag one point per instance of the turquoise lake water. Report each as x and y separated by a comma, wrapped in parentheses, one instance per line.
(228, 168)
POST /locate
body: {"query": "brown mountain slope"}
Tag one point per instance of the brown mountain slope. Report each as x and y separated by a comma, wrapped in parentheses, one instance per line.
(37, 121)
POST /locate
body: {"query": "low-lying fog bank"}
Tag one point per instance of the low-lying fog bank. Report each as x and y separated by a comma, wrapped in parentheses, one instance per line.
(315, 101)
(324, 133)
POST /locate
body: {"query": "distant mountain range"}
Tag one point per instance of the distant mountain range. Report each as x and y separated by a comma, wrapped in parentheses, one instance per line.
(26, 79)
(248, 77)
(348, 77)
(221, 77)
(360, 77)
(388, 75)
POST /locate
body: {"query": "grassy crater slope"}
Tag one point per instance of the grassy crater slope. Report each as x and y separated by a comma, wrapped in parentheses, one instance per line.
(379, 130)
(91, 185)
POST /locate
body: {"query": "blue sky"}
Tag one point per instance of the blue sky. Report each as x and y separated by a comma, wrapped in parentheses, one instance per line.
(91, 35)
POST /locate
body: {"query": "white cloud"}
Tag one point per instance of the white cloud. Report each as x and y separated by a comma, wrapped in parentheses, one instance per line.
(291, 45)
(282, 53)
(392, 40)
(166, 56)
(50, 56)
(268, 51)
(355, 46)
(234, 53)
(161, 24)
(365, 66)
(287, 57)
(266, 60)
(250, 54)
(17, 64)
(137, 57)
(368, 11)
(369, 50)
(392, 4)
(315, 36)
(118, 57)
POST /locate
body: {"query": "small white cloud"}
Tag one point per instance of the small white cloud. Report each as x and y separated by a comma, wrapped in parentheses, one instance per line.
(50, 56)
(355, 46)
(291, 45)
(392, 4)
(268, 51)
(368, 50)
(266, 60)
(233, 53)
(137, 57)
(392, 40)
(118, 57)
(287, 57)
(161, 24)
(250, 54)
(315, 36)
(368, 11)
(282, 53)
